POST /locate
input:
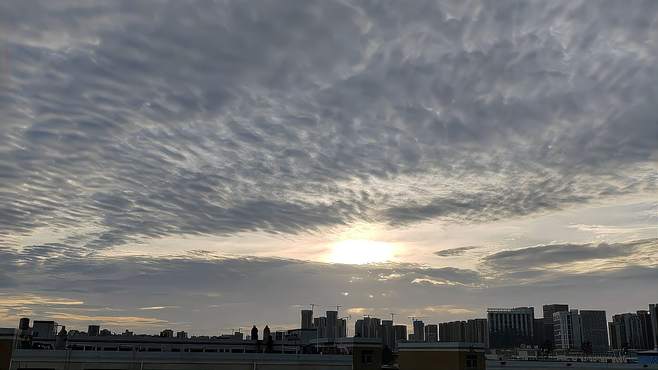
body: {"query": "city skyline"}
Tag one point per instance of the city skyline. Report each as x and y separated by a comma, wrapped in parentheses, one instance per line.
(353, 326)
(205, 166)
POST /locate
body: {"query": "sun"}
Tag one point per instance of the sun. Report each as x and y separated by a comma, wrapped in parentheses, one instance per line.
(361, 252)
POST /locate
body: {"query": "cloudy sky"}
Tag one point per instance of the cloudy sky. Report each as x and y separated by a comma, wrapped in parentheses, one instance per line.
(206, 166)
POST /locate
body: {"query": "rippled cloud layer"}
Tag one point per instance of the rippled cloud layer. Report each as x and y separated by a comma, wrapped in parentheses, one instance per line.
(147, 120)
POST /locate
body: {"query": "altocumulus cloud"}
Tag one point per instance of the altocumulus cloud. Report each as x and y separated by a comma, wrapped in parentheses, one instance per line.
(127, 120)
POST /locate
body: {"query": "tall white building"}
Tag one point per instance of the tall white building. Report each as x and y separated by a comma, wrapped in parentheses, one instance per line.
(567, 330)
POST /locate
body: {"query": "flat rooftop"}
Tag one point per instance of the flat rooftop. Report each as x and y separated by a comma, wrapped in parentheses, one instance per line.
(440, 346)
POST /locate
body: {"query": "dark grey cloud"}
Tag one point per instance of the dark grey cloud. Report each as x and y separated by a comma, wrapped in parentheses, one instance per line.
(142, 120)
(539, 256)
(212, 291)
(203, 292)
(452, 252)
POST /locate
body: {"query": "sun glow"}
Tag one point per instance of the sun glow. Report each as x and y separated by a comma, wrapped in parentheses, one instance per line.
(361, 252)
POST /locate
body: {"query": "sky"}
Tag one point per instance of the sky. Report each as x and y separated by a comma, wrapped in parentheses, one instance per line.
(210, 165)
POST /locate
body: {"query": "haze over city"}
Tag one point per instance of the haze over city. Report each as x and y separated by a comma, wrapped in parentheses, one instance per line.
(208, 166)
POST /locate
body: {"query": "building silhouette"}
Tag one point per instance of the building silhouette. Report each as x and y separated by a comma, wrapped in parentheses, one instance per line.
(477, 331)
(180, 335)
(419, 331)
(567, 330)
(332, 324)
(653, 313)
(93, 330)
(368, 327)
(510, 327)
(646, 330)
(44, 329)
(594, 329)
(388, 334)
(431, 333)
(400, 334)
(307, 319)
(548, 335)
(453, 331)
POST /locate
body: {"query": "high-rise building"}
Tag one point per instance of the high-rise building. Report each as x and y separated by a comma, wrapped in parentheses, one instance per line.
(167, 333)
(653, 312)
(400, 333)
(307, 319)
(387, 333)
(454, 331)
(614, 333)
(419, 331)
(539, 332)
(332, 324)
(646, 330)
(342, 328)
(93, 330)
(594, 329)
(320, 324)
(549, 310)
(368, 327)
(625, 331)
(567, 330)
(477, 332)
(359, 328)
(510, 327)
(431, 333)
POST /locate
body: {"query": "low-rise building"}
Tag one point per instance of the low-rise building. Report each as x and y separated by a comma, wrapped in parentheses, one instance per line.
(450, 356)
